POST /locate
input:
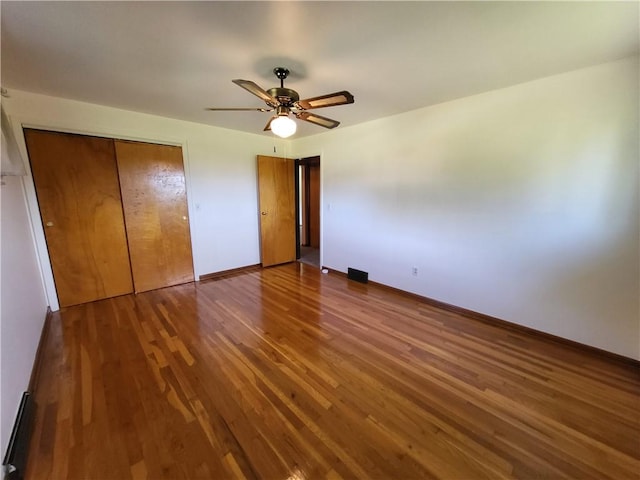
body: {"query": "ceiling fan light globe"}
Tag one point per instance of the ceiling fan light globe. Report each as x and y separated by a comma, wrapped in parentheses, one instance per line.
(283, 126)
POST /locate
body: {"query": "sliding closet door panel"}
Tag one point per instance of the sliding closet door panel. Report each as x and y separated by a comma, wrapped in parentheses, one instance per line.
(155, 207)
(76, 181)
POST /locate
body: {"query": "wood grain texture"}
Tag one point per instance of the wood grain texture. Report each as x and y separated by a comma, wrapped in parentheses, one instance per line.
(156, 214)
(288, 373)
(276, 185)
(76, 181)
(231, 272)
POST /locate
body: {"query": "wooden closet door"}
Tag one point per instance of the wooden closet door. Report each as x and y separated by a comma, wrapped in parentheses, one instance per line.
(155, 208)
(76, 182)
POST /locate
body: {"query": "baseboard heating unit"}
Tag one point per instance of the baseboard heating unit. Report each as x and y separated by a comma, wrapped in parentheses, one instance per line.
(15, 459)
(357, 275)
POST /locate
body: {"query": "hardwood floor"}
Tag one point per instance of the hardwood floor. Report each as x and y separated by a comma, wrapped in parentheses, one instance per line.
(286, 373)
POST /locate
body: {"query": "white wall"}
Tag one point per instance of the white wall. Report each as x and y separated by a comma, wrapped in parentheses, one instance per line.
(23, 304)
(520, 203)
(220, 169)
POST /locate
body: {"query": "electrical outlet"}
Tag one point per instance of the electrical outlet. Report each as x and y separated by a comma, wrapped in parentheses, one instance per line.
(414, 271)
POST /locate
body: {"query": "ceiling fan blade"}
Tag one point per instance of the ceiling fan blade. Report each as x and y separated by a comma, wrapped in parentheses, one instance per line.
(225, 109)
(329, 100)
(317, 119)
(251, 87)
(267, 127)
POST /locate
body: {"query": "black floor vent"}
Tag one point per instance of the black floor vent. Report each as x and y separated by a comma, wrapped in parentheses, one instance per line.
(357, 275)
(15, 460)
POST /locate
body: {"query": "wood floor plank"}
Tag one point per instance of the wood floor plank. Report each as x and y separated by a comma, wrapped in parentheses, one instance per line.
(288, 373)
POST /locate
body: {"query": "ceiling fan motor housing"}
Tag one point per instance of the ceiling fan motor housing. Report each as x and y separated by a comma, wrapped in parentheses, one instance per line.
(285, 96)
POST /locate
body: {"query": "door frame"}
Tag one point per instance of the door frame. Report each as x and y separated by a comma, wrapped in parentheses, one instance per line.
(296, 174)
(312, 160)
(18, 123)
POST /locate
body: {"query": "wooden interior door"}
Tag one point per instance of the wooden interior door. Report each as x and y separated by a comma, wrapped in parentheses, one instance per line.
(155, 207)
(276, 184)
(76, 182)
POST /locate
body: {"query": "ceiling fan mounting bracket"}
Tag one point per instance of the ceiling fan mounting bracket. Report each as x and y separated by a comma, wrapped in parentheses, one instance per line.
(281, 72)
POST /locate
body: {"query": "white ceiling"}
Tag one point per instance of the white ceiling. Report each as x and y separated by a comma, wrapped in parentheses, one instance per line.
(175, 58)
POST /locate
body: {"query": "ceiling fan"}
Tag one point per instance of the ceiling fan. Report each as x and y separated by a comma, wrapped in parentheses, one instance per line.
(285, 101)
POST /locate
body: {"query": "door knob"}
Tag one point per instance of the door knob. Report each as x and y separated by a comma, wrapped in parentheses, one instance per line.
(263, 213)
(49, 224)
(184, 217)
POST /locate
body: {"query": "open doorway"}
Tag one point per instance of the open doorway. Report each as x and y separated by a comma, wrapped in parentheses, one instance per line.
(308, 234)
